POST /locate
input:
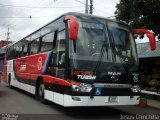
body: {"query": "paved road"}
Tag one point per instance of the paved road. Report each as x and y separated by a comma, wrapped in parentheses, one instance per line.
(18, 104)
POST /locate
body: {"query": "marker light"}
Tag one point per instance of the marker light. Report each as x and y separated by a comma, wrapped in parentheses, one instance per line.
(136, 89)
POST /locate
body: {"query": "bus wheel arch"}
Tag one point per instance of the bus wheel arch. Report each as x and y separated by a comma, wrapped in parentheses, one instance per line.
(40, 88)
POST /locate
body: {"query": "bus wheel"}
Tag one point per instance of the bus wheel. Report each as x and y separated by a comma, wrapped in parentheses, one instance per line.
(41, 89)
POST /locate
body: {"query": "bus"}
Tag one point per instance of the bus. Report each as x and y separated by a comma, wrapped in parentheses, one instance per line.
(78, 60)
(3, 60)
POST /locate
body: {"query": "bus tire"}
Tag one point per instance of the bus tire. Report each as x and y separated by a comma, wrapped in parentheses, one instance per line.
(41, 89)
(9, 81)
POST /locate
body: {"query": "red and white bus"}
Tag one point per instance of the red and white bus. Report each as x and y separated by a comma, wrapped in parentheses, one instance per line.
(78, 60)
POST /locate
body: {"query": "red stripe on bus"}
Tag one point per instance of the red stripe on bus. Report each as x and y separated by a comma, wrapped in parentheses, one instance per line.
(55, 80)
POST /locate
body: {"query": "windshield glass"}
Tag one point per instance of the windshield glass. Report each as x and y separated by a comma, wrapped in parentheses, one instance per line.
(103, 46)
(92, 40)
(122, 43)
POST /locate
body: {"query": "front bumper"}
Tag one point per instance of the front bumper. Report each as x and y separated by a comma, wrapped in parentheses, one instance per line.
(99, 100)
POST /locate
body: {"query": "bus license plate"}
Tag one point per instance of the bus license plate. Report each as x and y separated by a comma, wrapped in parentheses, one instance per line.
(112, 99)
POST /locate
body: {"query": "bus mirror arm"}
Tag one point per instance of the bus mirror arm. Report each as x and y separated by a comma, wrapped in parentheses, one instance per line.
(73, 25)
(62, 59)
(149, 34)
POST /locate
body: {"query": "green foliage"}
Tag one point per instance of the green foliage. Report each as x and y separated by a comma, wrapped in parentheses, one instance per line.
(140, 14)
(154, 83)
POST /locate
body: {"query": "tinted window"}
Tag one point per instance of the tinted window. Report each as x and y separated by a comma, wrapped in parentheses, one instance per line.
(34, 46)
(59, 57)
(47, 42)
(9, 54)
(18, 49)
(122, 43)
(61, 41)
(24, 47)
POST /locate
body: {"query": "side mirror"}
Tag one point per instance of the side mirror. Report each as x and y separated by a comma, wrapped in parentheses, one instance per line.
(73, 26)
(150, 35)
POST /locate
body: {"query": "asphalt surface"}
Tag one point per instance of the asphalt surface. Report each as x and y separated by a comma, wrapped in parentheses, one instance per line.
(16, 104)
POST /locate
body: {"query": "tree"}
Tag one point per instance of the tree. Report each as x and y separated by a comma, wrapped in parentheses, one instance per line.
(140, 14)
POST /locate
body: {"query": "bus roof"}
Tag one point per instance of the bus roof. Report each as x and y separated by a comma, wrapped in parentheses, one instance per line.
(75, 14)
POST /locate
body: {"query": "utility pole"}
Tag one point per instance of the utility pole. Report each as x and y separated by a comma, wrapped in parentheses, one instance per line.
(8, 33)
(86, 7)
(91, 6)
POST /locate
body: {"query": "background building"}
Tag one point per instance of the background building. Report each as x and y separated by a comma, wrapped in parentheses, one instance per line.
(4, 42)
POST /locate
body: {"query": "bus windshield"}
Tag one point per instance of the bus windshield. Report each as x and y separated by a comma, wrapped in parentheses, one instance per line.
(122, 43)
(101, 43)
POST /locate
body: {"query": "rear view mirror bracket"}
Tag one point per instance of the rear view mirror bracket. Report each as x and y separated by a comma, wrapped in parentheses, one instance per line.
(149, 34)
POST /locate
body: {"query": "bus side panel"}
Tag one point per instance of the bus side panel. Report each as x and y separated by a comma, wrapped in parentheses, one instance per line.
(55, 84)
(28, 68)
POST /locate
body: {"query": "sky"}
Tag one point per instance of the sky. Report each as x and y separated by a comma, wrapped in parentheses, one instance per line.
(23, 17)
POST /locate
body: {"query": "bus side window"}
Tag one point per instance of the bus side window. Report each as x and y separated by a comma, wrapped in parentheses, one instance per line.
(34, 45)
(8, 53)
(17, 51)
(52, 63)
(47, 42)
(40, 44)
(60, 55)
(24, 50)
(28, 48)
(11, 53)
(20, 51)
(24, 46)
(56, 66)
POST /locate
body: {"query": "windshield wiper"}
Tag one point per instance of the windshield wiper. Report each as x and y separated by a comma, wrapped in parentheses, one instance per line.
(122, 61)
(104, 45)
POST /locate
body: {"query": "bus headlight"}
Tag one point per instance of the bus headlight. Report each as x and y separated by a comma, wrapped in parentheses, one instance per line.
(136, 89)
(75, 88)
(83, 87)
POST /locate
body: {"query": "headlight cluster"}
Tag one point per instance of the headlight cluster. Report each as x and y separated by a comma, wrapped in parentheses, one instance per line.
(83, 87)
(136, 89)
